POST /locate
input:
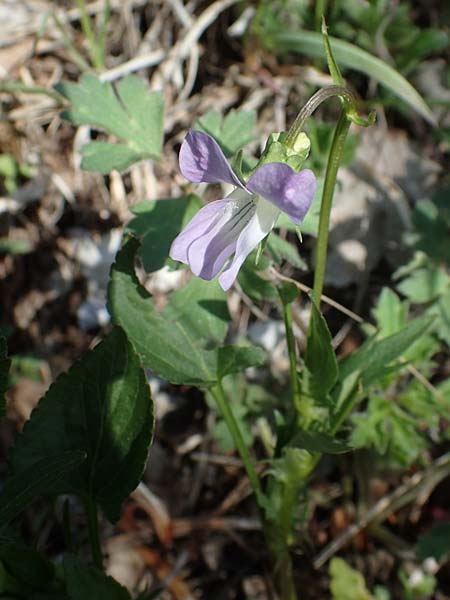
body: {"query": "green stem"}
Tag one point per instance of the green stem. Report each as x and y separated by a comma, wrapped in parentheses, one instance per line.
(94, 49)
(319, 13)
(94, 535)
(283, 565)
(334, 161)
(11, 87)
(285, 578)
(290, 339)
(233, 427)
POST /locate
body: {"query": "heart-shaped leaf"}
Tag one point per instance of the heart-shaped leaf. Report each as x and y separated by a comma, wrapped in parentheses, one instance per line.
(102, 407)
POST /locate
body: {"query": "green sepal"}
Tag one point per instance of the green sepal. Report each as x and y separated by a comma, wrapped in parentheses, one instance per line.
(276, 151)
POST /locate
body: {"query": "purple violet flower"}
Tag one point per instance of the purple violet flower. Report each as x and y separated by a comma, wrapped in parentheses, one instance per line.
(238, 223)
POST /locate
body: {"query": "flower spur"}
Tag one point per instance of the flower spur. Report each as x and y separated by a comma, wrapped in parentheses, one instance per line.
(238, 223)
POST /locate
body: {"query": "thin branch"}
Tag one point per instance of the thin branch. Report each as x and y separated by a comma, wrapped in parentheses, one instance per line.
(404, 494)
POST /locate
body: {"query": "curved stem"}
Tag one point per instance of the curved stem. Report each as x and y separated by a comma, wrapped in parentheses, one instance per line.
(94, 535)
(313, 103)
(334, 160)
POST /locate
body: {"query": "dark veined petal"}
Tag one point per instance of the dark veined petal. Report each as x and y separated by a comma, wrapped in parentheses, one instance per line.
(261, 223)
(202, 160)
(289, 191)
(208, 253)
(200, 224)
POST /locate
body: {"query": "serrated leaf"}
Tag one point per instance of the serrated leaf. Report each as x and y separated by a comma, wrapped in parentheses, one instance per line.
(43, 475)
(169, 347)
(350, 56)
(157, 223)
(320, 359)
(232, 132)
(103, 407)
(5, 363)
(83, 582)
(316, 441)
(130, 112)
(374, 357)
(389, 429)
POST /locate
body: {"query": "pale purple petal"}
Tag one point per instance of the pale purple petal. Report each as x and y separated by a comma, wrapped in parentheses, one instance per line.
(202, 160)
(291, 192)
(208, 254)
(200, 224)
(254, 232)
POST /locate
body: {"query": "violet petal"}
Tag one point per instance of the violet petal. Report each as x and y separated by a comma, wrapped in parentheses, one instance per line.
(254, 232)
(200, 224)
(202, 160)
(208, 254)
(291, 192)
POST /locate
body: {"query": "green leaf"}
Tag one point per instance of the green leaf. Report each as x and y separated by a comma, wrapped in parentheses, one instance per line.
(5, 363)
(232, 359)
(345, 396)
(434, 543)
(332, 65)
(171, 348)
(129, 111)
(288, 292)
(431, 220)
(232, 132)
(103, 407)
(347, 583)
(36, 480)
(163, 346)
(157, 223)
(390, 430)
(374, 357)
(83, 582)
(316, 441)
(256, 287)
(207, 318)
(350, 56)
(442, 311)
(26, 564)
(320, 358)
(425, 285)
(104, 157)
(390, 313)
(281, 249)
